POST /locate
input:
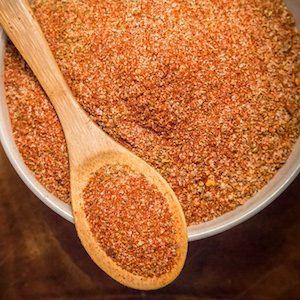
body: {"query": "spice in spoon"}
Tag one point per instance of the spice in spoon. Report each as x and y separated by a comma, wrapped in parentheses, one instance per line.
(131, 221)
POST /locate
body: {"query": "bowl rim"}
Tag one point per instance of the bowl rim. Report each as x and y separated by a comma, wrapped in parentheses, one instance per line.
(263, 198)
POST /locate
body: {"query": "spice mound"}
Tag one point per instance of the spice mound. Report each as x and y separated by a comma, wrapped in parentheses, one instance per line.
(206, 92)
(131, 221)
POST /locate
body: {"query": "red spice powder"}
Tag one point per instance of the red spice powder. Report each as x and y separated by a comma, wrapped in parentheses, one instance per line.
(131, 221)
(204, 91)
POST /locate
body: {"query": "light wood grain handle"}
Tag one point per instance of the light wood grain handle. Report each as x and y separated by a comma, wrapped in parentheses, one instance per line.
(24, 31)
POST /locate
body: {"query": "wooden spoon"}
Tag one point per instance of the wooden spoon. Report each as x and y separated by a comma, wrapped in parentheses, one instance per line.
(89, 147)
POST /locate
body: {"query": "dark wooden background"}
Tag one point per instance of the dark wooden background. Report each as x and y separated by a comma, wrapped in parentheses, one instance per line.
(42, 258)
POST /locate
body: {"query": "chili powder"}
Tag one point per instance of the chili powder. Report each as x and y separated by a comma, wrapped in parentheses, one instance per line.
(205, 91)
(131, 221)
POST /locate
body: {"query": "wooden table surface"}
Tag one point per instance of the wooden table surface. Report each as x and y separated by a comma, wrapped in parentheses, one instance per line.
(42, 258)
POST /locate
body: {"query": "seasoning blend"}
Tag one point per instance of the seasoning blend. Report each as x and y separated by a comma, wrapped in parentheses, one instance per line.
(207, 92)
(131, 221)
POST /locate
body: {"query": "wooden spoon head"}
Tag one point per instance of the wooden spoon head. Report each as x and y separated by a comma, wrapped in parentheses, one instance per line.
(79, 179)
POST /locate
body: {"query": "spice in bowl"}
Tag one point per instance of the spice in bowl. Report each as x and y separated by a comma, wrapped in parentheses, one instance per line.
(206, 92)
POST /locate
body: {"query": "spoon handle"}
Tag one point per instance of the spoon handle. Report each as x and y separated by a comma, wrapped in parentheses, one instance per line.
(24, 31)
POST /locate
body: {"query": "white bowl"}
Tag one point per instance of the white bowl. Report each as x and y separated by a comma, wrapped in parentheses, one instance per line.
(263, 198)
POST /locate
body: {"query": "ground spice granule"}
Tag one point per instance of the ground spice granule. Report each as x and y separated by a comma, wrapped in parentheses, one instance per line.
(131, 221)
(204, 91)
